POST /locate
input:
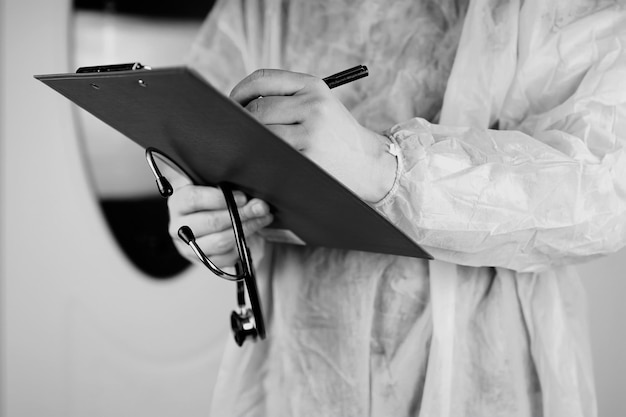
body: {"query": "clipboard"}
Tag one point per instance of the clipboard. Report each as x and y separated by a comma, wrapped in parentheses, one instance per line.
(216, 141)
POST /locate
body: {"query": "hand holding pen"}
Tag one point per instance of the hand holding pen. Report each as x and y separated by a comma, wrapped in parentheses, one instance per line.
(301, 109)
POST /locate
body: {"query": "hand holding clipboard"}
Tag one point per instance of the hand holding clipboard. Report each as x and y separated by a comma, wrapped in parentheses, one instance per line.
(216, 142)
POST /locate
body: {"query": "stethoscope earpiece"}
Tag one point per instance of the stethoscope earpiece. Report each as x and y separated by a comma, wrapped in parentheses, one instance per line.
(164, 186)
(186, 235)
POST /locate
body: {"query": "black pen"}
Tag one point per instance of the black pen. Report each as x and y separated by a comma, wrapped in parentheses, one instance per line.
(346, 76)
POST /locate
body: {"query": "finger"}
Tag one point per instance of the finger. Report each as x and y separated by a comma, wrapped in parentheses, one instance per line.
(282, 110)
(271, 82)
(201, 223)
(220, 248)
(193, 198)
(223, 242)
(221, 261)
(208, 222)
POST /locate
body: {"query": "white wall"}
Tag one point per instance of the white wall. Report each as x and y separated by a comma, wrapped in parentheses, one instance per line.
(83, 333)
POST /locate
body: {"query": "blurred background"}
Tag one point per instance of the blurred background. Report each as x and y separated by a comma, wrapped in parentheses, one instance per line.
(99, 316)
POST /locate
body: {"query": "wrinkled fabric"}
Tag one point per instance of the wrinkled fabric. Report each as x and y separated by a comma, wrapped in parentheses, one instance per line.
(511, 118)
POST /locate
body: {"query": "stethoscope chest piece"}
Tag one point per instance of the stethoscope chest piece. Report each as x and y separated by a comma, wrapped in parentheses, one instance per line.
(243, 326)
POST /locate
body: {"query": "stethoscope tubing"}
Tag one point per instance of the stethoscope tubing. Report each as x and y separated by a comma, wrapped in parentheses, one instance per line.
(244, 269)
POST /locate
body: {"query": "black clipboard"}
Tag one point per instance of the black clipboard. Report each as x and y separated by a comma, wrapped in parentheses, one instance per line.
(216, 141)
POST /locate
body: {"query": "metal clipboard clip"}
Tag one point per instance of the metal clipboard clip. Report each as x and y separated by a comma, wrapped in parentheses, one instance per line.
(131, 66)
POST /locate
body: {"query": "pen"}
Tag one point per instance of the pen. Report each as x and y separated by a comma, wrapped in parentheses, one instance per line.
(346, 76)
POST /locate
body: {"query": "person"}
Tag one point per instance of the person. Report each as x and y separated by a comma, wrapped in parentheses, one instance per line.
(510, 120)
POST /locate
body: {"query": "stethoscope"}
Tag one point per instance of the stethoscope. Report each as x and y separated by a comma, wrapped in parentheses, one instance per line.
(247, 321)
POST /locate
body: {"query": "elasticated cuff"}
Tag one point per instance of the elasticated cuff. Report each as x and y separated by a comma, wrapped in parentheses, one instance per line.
(397, 152)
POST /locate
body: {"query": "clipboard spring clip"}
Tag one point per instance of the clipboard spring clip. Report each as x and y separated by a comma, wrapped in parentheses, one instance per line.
(247, 321)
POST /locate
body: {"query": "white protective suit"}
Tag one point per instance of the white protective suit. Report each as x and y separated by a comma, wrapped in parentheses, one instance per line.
(513, 169)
